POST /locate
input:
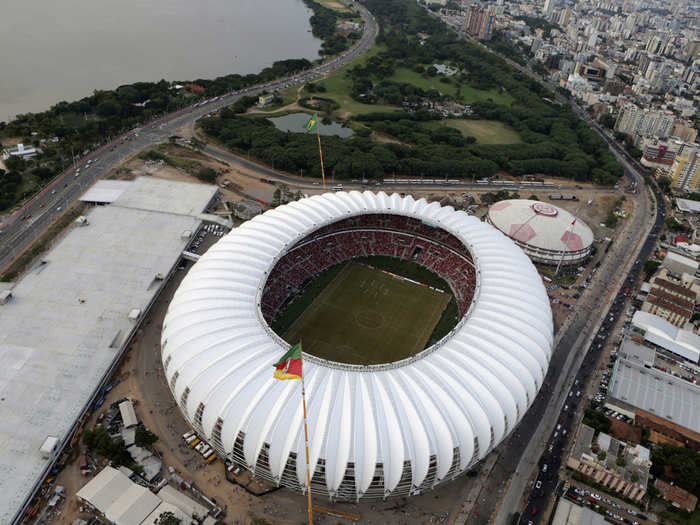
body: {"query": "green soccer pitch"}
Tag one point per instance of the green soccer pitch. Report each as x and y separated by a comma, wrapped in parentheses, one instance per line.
(367, 316)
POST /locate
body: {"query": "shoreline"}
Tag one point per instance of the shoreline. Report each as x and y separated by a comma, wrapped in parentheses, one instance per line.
(20, 97)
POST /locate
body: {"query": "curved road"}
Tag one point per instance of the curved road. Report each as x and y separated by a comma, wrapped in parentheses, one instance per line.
(35, 216)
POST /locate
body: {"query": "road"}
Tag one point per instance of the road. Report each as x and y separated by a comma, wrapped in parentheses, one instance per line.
(35, 216)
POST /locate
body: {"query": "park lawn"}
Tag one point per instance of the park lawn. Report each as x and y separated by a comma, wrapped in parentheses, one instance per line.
(338, 87)
(368, 316)
(408, 76)
(334, 4)
(468, 94)
(484, 131)
(288, 95)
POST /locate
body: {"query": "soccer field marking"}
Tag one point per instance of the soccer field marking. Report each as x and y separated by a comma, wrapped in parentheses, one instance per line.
(367, 316)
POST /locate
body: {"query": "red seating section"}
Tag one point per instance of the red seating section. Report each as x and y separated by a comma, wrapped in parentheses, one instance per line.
(390, 235)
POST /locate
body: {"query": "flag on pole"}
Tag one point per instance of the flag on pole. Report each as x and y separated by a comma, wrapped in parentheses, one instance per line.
(312, 123)
(289, 367)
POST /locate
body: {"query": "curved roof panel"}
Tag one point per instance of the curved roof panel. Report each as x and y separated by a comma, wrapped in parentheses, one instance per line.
(467, 392)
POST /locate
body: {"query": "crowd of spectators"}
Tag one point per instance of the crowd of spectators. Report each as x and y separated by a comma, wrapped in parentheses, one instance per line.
(365, 235)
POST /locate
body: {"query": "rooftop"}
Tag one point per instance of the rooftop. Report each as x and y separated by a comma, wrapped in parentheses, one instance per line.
(69, 318)
(662, 333)
(688, 206)
(662, 394)
(106, 191)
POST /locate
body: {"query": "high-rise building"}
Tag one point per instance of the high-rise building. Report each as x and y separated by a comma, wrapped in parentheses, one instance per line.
(564, 17)
(549, 6)
(685, 171)
(655, 44)
(478, 22)
(644, 122)
(593, 39)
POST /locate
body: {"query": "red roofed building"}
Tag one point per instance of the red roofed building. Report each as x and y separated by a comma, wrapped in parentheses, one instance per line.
(679, 498)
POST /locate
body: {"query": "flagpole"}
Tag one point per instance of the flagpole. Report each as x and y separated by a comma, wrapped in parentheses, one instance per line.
(306, 436)
(320, 153)
(566, 243)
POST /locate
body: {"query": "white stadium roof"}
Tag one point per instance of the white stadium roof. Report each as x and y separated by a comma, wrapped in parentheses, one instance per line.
(467, 392)
(540, 225)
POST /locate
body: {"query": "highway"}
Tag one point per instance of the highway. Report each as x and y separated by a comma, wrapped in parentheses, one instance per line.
(26, 224)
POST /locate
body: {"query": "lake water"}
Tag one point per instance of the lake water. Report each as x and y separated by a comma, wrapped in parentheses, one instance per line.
(63, 50)
(295, 122)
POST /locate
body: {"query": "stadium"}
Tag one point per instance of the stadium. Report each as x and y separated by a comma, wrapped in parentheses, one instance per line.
(546, 233)
(393, 408)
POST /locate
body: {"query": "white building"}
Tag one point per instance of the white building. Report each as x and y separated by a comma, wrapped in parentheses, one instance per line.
(644, 122)
(374, 434)
(22, 152)
(662, 333)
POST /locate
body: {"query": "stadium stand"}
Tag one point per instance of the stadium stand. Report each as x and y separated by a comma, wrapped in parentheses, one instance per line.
(375, 234)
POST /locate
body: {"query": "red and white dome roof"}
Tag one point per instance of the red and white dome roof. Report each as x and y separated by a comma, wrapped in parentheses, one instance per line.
(540, 225)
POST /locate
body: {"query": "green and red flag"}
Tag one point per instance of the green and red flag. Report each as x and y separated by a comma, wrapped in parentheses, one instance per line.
(312, 123)
(289, 367)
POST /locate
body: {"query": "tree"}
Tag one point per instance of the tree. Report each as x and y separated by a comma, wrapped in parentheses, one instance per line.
(144, 437)
(649, 268)
(607, 120)
(168, 518)
(634, 477)
(664, 183)
(206, 175)
(108, 108)
(678, 464)
(276, 198)
(114, 450)
(198, 144)
(14, 163)
(673, 224)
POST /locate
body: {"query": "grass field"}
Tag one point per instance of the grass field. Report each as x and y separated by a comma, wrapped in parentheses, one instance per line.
(338, 87)
(468, 94)
(484, 131)
(366, 316)
(333, 4)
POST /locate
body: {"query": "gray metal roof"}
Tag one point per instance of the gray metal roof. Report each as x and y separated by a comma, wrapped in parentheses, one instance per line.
(657, 392)
(68, 319)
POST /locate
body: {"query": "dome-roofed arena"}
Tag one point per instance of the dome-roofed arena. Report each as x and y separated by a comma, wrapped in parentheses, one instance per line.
(547, 233)
(393, 428)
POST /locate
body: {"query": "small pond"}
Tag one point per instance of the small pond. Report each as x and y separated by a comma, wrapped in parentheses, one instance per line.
(294, 122)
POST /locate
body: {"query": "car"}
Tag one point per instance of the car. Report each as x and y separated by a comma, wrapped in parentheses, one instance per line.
(538, 485)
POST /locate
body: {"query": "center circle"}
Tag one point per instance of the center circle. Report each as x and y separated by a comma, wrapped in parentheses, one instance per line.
(369, 319)
(371, 289)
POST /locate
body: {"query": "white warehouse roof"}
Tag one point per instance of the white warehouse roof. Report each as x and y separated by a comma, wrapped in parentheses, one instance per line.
(467, 392)
(662, 333)
(540, 225)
